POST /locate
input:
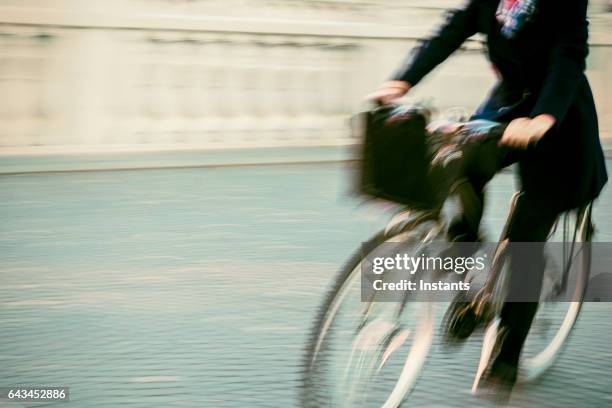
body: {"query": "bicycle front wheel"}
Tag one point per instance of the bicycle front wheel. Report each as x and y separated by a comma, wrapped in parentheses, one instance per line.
(367, 354)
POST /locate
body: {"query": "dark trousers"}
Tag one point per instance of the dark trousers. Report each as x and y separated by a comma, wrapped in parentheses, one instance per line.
(529, 222)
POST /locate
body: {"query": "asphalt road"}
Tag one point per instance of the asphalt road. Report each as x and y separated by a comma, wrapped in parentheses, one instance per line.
(196, 287)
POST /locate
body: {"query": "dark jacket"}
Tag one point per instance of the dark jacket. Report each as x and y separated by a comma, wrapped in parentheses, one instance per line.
(541, 71)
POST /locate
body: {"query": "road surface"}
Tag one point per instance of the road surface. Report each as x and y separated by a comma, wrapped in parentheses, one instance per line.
(196, 287)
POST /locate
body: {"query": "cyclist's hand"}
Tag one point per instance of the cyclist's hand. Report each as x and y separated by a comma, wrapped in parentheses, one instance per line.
(522, 132)
(389, 92)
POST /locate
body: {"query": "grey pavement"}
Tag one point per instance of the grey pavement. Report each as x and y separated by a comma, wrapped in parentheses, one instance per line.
(196, 287)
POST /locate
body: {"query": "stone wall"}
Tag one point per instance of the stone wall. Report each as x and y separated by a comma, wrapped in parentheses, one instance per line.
(134, 75)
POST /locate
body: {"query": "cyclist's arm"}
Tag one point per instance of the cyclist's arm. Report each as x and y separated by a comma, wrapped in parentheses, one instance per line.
(460, 25)
(567, 62)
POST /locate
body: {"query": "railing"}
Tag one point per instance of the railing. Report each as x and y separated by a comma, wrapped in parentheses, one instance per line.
(163, 74)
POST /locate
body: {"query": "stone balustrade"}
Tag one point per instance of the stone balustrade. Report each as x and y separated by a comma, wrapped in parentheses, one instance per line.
(121, 75)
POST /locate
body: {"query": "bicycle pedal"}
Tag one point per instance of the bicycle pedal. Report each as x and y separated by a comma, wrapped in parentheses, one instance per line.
(484, 312)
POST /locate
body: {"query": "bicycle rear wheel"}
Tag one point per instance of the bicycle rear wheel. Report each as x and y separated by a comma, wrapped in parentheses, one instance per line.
(367, 354)
(554, 321)
(559, 308)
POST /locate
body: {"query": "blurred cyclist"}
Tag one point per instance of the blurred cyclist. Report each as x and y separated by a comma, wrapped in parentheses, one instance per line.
(538, 50)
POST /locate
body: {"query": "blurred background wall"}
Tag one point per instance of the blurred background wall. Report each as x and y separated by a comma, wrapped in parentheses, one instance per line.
(139, 75)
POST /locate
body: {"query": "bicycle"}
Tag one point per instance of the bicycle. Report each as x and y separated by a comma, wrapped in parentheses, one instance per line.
(371, 353)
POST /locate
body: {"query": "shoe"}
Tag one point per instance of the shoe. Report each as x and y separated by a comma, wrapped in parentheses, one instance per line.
(463, 317)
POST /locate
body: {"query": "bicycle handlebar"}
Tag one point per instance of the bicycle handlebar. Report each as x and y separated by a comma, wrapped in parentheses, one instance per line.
(495, 133)
(474, 131)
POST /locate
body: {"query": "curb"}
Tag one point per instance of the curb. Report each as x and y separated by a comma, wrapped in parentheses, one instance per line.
(54, 163)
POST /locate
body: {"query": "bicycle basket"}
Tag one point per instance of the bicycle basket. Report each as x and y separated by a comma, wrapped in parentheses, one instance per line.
(395, 156)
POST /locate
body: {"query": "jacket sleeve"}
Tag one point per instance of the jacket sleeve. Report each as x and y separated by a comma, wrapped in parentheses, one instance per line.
(567, 62)
(459, 26)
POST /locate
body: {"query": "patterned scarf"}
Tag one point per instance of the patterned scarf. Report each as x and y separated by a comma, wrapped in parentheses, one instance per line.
(513, 14)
